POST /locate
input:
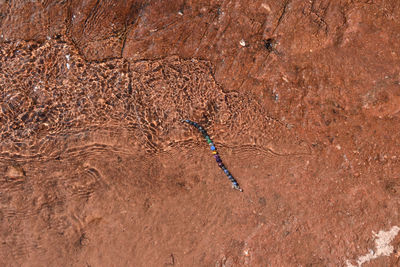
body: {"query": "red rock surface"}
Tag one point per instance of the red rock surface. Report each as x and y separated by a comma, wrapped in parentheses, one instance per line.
(302, 99)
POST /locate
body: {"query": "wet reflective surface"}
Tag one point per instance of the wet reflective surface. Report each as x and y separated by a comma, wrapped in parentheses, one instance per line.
(97, 168)
(81, 142)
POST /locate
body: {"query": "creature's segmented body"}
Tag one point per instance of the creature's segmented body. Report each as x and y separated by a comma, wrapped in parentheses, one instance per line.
(215, 153)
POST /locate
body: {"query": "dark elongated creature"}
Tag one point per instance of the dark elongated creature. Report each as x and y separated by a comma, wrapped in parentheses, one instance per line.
(235, 184)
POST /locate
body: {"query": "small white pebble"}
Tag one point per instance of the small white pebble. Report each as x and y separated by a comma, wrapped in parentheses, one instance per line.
(246, 252)
(180, 13)
(67, 57)
(242, 43)
(265, 6)
(68, 66)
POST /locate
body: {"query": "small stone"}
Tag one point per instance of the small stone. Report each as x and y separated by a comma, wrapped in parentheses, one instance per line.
(15, 172)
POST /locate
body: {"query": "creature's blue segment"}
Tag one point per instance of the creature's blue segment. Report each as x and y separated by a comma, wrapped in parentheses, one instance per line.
(215, 153)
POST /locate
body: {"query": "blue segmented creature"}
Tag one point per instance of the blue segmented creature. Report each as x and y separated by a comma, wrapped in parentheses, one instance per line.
(235, 184)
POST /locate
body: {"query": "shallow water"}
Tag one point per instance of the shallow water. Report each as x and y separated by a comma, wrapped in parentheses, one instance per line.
(82, 142)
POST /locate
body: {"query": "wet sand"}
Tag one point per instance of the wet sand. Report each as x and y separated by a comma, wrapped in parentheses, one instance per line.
(97, 169)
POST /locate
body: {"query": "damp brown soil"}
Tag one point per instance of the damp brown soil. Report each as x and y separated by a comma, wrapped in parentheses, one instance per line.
(301, 100)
